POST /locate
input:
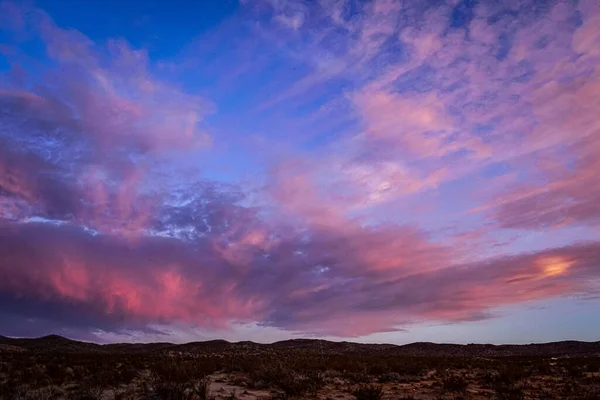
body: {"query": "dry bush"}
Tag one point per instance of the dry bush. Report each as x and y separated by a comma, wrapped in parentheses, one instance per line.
(128, 393)
(509, 393)
(368, 392)
(178, 389)
(591, 364)
(357, 377)
(454, 383)
(290, 382)
(588, 394)
(165, 390)
(87, 393)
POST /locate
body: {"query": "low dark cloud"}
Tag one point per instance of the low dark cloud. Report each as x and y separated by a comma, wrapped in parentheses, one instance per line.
(83, 281)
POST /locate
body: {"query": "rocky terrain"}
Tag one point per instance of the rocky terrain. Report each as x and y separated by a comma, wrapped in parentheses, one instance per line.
(55, 367)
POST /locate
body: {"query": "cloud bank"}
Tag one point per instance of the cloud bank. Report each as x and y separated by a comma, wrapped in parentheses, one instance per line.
(405, 159)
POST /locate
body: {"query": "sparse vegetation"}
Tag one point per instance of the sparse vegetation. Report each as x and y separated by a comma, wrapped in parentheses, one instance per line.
(300, 373)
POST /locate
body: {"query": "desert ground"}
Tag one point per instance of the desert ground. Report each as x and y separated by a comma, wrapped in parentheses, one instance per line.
(57, 368)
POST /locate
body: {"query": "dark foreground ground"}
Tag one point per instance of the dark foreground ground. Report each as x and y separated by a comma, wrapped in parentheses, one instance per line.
(57, 368)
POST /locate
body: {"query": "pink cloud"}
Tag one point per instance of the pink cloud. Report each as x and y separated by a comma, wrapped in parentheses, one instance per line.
(91, 126)
(301, 282)
(419, 125)
(116, 245)
(71, 270)
(114, 99)
(565, 150)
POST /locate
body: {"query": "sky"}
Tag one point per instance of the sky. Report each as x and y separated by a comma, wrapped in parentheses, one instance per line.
(375, 171)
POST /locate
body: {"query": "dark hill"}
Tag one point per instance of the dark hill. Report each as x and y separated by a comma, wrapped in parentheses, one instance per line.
(51, 343)
(55, 343)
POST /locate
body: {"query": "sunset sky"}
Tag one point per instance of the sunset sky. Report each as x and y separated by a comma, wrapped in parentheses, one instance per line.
(375, 171)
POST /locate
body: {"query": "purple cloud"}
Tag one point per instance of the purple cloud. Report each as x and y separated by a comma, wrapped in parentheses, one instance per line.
(377, 128)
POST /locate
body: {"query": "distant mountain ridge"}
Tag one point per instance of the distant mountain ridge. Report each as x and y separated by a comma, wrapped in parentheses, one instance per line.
(55, 343)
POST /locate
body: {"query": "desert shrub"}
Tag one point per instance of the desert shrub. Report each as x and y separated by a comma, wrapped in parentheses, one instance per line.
(505, 377)
(165, 390)
(368, 392)
(51, 392)
(409, 367)
(10, 390)
(512, 373)
(592, 364)
(389, 377)
(395, 377)
(357, 377)
(176, 390)
(506, 386)
(242, 364)
(544, 368)
(124, 394)
(545, 395)
(378, 368)
(200, 389)
(170, 380)
(292, 383)
(511, 392)
(125, 374)
(574, 371)
(178, 370)
(87, 393)
(300, 385)
(239, 381)
(56, 373)
(588, 394)
(454, 383)
(112, 376)
(264, 377)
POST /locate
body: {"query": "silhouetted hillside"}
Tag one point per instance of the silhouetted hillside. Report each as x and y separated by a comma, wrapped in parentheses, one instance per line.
(51, 343)
(55, 343)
